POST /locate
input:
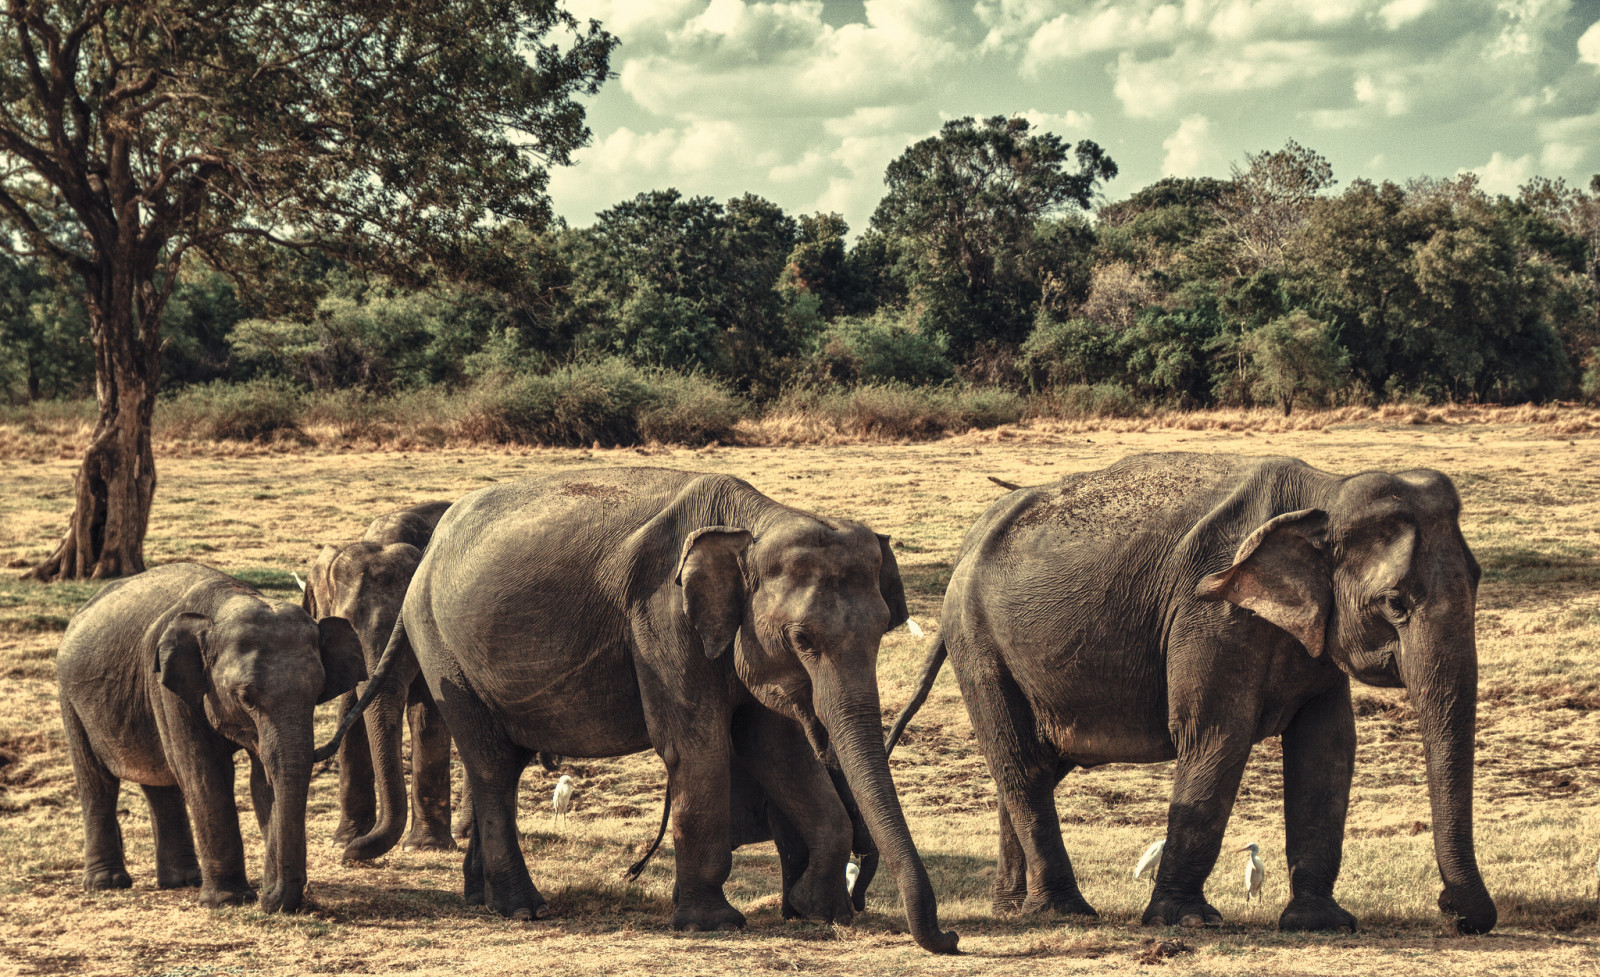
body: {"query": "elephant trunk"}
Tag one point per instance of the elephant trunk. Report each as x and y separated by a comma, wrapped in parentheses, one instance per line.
(1440, 669)
(856, 728)
(384, 724)
(286, 758)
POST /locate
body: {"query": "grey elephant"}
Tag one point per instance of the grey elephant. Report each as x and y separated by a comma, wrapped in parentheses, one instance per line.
(365, 583)
(166, 675)
(599, 613)
(1185, 606)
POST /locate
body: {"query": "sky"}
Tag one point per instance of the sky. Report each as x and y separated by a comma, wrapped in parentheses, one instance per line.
(805, 102)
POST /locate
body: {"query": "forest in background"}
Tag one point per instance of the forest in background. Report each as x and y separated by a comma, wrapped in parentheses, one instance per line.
(992, 276)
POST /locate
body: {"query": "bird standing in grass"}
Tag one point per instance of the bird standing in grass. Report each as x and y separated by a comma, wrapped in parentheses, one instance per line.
(561, 800)
(1150, 861)
(1254, 871)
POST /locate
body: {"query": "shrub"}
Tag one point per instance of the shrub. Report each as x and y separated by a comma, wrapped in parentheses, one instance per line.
(883, 347)
(1077, 351)
(235, 412)
(1088, 400)
(610, 401)
(898, 411)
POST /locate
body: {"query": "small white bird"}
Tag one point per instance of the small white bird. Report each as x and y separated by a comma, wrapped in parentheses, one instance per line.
(1150, 861)
(851, 870)
(1255, 872)
(298, 580)
(561, 800)
(914, 628)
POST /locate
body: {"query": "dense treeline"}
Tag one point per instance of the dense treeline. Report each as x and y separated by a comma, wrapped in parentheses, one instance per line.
(980, 265)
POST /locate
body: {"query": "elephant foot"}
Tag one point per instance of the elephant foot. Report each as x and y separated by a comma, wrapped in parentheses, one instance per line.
(1008, 902)
(178, 877)
(1315, 914)
(433, 838)
(282, 897)
(1191, 913)
(520, 902)
(822, 899)
(1474, 911)
(461, 829)
(708, 919)
(1061, 904)
(107, 878)
(217, 896)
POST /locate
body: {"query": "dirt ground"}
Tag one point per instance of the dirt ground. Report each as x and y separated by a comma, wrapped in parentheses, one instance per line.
(1531, 492)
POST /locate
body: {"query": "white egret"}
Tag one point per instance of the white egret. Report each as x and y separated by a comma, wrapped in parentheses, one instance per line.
(299, 581)
(852, 869)
(914, 628)
(1255, 872)
(1150, 861)
(561, 800)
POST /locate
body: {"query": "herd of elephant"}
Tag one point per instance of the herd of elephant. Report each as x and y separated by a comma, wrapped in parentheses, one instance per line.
(1172, 606)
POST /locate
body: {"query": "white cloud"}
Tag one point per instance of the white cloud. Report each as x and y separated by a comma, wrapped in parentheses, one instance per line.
(1386, 93)
(1558, 156)
(1528, 24)
(1401, 12)
(1064, 124)
(1589, 46)
(1190, 150)
(1503, 174)
(1151, 89)
(1107, 28)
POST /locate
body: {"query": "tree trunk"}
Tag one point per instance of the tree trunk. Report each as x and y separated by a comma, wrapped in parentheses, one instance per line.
(114, 486)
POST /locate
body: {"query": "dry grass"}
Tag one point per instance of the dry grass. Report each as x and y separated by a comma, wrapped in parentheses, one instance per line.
(1530, 478)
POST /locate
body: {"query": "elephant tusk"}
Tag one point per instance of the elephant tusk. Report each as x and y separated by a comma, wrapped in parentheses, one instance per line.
(914, 628)
(298, 582)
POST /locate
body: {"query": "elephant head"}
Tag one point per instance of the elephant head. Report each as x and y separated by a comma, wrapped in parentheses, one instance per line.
(256, 669)
(802, 609)
(1381, 581)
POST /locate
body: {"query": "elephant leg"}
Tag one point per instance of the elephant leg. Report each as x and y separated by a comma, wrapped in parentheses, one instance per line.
(694, 744)
(461, 826)
(205, 775)
(799, 791)
(1011, 879)
(1319, 752)
(1205, 785)
(430, 774)
(261, 799)
(176, 864)
(98, 787)
(358, 808)
(793, 856)
(860, 840)
(1026, 771)
(494, 871)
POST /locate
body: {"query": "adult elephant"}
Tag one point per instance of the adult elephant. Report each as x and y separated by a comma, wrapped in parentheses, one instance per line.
(1184, 606)
(599, 613)
(163, 677)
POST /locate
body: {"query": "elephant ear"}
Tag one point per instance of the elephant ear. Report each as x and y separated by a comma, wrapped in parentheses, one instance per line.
(889, 585)
(180, 658)
(343, 664)
(1281, 573)
(713, 584)
(316, 591)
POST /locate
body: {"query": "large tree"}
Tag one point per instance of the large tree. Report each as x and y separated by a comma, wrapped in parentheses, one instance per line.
(969, 202)
(392, 135)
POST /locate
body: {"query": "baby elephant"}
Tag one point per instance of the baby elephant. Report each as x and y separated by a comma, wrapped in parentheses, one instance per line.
(163, 677)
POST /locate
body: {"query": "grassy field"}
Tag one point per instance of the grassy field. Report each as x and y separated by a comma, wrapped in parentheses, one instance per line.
(1531, 486)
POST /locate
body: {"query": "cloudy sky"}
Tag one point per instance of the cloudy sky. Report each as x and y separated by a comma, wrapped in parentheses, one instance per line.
(806, 101)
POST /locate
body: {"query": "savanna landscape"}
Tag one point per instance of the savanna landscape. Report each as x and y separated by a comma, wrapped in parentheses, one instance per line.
(1530, 483)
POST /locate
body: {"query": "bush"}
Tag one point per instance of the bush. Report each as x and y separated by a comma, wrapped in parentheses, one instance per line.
(899, 411)
(234, 412)
(610, 401)
(1088, 400)
(1077, 351)
(880, 348)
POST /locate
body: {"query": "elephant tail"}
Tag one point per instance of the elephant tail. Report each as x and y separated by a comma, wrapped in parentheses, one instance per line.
(379, 679)
(930, 671)
(666, 809)
(1010, 486)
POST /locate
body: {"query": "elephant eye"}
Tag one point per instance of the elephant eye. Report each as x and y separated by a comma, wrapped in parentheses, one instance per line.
(800, 640)
(1395, 606)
